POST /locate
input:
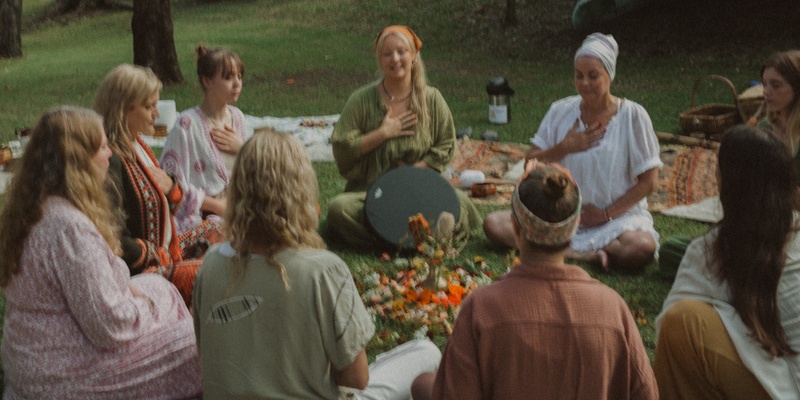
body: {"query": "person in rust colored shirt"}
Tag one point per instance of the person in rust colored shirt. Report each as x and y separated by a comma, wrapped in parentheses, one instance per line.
(546, 329)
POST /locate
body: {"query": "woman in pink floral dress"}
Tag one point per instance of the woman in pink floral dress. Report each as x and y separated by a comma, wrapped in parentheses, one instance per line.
(77, 326)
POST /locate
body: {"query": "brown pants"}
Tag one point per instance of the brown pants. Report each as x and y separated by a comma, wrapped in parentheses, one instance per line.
(696, 359)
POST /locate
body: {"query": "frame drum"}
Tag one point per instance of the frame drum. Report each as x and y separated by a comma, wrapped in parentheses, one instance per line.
(403, 192)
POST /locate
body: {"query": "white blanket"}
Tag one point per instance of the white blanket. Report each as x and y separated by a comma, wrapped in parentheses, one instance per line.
(314, 132)
(708, 210)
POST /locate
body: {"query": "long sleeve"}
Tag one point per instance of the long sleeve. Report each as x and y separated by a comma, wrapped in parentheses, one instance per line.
(137, 252)
(183, 157)
(92, 279)
(359, 116)
(134, 251)
(443, 130)
(363, 113)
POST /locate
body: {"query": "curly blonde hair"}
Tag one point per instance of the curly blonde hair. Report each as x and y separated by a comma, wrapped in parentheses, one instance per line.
(57, 161)
(272, 199)
(124, 87)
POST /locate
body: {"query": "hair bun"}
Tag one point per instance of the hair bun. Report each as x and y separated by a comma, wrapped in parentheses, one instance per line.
(200, 51)
(554, 185)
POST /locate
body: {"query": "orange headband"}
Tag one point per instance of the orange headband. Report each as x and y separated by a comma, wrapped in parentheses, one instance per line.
(401, 29)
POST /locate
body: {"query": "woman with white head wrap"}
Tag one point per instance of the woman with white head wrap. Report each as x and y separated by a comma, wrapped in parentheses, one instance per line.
(609, 145)
(602, 47)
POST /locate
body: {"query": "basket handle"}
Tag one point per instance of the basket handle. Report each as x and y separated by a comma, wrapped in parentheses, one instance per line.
(730, 85)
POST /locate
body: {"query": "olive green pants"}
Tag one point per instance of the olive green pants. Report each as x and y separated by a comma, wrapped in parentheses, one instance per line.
(696, 359)
(347, 222)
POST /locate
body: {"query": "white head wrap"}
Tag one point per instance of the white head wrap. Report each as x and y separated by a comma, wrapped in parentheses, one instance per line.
(602, 47)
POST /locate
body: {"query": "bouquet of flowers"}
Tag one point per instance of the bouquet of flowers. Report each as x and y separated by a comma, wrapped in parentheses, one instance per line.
(424, 293)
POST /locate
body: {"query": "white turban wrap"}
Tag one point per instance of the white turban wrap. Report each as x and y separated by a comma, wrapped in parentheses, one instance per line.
(602, 47)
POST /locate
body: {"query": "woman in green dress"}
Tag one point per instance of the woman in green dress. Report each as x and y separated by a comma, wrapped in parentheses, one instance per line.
(397, 120)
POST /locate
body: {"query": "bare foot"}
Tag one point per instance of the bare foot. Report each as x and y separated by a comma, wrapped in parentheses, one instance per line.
(603, 259)
(597, 258)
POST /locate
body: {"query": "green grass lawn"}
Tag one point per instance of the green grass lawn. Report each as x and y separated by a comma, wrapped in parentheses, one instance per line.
(306, 57)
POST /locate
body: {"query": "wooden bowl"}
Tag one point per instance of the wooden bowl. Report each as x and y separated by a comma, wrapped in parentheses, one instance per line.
(483, 189)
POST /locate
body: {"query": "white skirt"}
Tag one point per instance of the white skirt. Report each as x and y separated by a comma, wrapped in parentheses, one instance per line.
(598, 237)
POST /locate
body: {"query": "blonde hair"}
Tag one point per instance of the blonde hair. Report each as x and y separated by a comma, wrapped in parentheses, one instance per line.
(272, 199)
(58, 160)
(124, 87)
(419, 83)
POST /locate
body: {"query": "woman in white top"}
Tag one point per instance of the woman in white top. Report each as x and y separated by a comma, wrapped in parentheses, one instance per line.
(730, 326)
(203, 144)
(609, 145)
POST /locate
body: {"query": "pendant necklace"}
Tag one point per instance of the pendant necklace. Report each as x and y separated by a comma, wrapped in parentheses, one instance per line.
(391, 98)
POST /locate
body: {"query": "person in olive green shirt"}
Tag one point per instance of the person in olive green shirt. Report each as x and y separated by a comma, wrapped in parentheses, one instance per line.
(395, 121)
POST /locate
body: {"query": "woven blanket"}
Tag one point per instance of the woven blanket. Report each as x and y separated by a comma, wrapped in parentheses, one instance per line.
(494, 159)
(688, 177)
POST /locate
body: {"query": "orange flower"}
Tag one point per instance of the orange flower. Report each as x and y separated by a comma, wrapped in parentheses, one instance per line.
(456, 292)
(420, 231)
(425, 296)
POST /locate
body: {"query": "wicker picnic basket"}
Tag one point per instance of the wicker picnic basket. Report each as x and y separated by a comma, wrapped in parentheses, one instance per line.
(711, 119)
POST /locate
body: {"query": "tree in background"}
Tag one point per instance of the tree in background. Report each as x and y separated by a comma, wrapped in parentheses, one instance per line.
(153, 41)
(510, 18)
(10, 28)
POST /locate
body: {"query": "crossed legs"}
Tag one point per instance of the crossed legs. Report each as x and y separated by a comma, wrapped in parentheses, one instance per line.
(629, 252)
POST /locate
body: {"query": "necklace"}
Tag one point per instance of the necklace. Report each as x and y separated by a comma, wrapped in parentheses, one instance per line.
(603, 116)
(391, 98)
(218, 123)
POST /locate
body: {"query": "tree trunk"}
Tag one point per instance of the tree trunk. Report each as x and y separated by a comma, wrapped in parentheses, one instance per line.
(10, 28)
(153, 43)
(511, 14)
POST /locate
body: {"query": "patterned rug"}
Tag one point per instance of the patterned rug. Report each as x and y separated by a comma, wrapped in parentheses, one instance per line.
(494, 159)
(688, 176)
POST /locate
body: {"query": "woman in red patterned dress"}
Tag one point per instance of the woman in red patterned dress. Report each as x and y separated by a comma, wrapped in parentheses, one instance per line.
(144, 195)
